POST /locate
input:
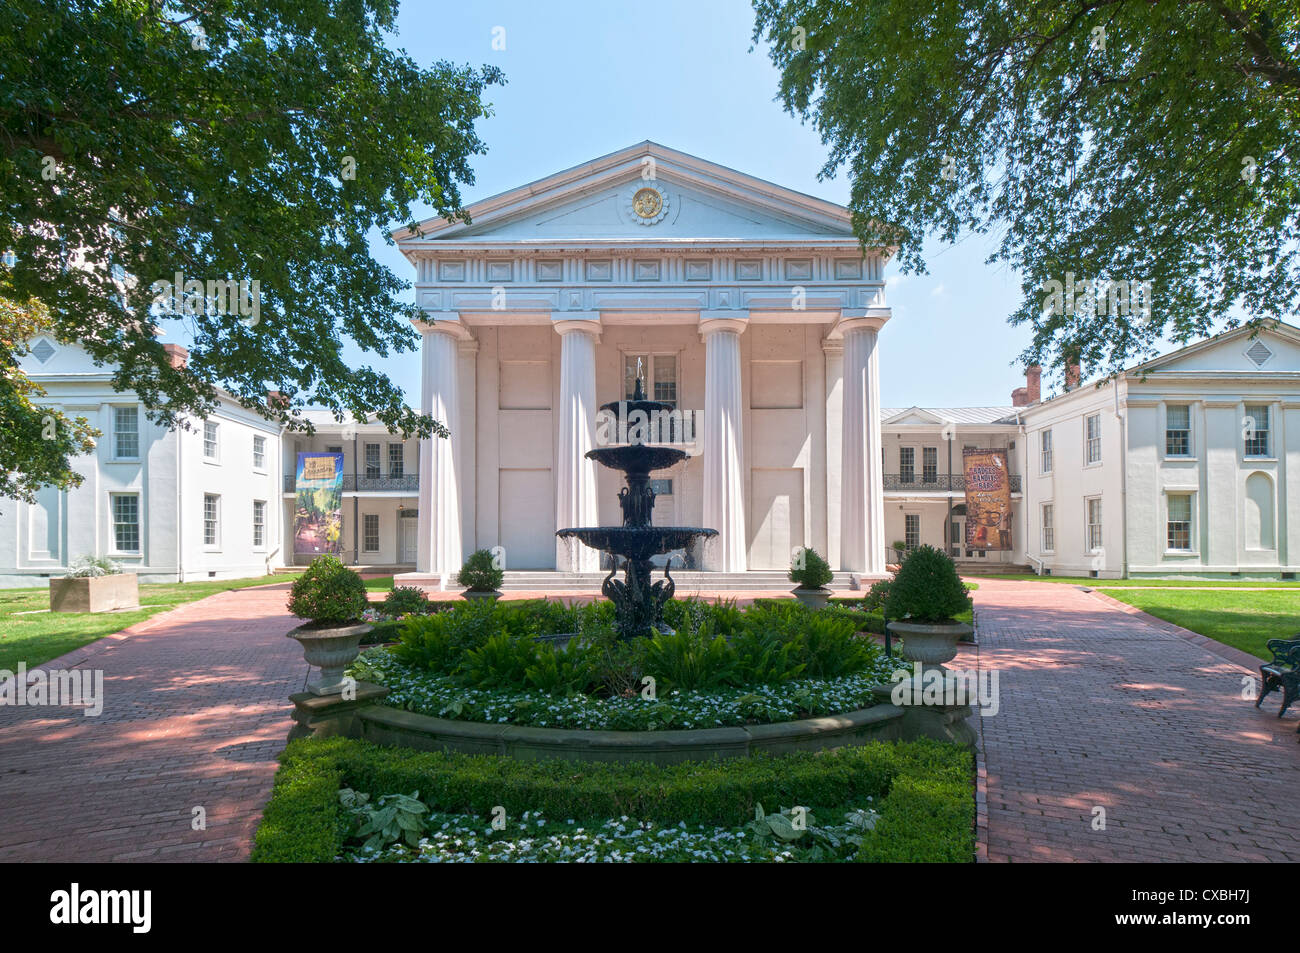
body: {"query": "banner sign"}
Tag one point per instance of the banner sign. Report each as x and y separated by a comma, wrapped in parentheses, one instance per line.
(988, 499)
(318, 509)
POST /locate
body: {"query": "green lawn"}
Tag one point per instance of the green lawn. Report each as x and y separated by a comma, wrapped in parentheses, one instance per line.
(41, 636)
(381, 584)
(1245, 620)
(1160, 583)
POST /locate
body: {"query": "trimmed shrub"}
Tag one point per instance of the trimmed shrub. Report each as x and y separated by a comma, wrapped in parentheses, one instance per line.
(406, 600)
(929, 821)
(480, 572)
(328, 593)
(809, 571)
(927, 589)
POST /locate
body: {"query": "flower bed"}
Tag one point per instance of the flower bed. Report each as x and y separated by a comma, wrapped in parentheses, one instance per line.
(917, 796)
(443, 696)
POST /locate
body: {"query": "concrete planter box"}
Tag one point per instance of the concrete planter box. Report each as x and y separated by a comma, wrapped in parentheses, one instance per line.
(481, 595)
(390, 726)
(331, 649)
(95, 593)
(929, 644)
(813, 598)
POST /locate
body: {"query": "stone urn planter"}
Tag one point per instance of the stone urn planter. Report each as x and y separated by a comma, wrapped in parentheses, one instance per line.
(930, 643)
(331, 649)
(95, 593)
(482, 595)
(812, 598)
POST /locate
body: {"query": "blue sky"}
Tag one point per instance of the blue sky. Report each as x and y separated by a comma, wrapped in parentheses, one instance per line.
(585, 79)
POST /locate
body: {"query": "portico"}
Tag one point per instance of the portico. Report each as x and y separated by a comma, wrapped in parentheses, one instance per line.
(750, 308)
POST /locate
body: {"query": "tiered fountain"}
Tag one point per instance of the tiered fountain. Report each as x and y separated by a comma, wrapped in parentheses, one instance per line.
(638, 603)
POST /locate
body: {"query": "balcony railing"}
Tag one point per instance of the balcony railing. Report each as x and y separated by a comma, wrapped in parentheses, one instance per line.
(409, 483)
(942, 482)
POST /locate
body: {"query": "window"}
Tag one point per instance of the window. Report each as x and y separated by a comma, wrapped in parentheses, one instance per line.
(259, 453)
(911, 530)
(126, 433)
(372, 461)
(1094, 524)
(1049, 528)
(396, 462)
(211, 514)
(660, 373)
(333, 449)
(906, 464)
(126, 522)
(1178, 524)
(930, 465)
(1256, 430)
(259, 524)
(1092, 433)
(209, 440)
(1178, 430)
(1045, 454)
(958, 537)
(370, 533)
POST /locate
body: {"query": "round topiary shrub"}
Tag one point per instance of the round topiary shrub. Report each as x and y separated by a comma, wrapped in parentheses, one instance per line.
(927, 589)
(480, 572)
(809, 571)
(328, 593)
(406, 600)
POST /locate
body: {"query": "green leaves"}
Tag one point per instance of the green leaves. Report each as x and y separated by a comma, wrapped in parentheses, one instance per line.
(397, 817)
(1122, 143)
(224, 160)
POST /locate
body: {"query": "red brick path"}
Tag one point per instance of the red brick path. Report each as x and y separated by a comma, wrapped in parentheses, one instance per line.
(1103, 706)
(195, 712)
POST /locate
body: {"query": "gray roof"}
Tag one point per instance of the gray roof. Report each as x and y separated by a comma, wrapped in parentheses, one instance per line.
(960, 415)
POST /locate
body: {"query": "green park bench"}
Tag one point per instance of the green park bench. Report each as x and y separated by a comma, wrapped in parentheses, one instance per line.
(1282, 672)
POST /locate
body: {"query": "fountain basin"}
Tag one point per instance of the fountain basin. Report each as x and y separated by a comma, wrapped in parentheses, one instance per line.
(637, 542)
(637, 458)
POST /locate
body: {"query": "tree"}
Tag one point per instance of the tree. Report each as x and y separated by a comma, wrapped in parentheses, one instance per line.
(38, 441)
(246, 147)
(1137, 156)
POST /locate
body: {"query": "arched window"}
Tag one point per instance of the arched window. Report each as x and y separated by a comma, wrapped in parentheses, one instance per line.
(1259, 511)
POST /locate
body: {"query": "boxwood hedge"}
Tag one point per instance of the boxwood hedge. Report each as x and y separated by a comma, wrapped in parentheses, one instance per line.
(923, 790)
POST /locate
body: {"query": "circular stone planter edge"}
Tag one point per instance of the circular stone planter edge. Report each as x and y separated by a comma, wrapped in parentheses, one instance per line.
(391, 726)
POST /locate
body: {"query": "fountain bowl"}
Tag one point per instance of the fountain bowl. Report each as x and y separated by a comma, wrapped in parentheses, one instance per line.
(637, 542)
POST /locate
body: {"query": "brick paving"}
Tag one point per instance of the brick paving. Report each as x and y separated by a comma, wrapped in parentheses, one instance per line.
(1104, 706)
(1101, 706)
(195, 713)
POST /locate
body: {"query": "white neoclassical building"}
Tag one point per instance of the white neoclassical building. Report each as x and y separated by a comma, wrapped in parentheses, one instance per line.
(752, 310)
(750, 307)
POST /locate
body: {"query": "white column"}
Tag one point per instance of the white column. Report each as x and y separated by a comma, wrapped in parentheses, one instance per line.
(862, 507)
(575, 475)
(724, 475)
(834, 351)
(440, 550)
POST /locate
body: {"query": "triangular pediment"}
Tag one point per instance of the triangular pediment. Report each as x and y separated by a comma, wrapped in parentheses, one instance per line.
(1271, 351)
(912, 417)
(646, 193)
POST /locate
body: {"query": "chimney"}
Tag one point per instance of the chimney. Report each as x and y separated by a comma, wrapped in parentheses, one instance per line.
(1020, 397)
(177, 356)
(276, 400)
(1073, 374)
(1032, 391)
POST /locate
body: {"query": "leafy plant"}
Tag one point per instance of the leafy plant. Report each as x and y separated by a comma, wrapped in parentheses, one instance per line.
(690, 659)
(480, 572)
(406, 600)
(501, 661)
(877, 595)
(397, 817)
(328, 593)
(927, 588)
(562, 671)
(763, 657)
(809, 570)
(84, 566)
(832, 647)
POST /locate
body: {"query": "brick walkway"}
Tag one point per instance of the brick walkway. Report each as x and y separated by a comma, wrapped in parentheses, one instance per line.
(195, 712)
(1102, 706)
